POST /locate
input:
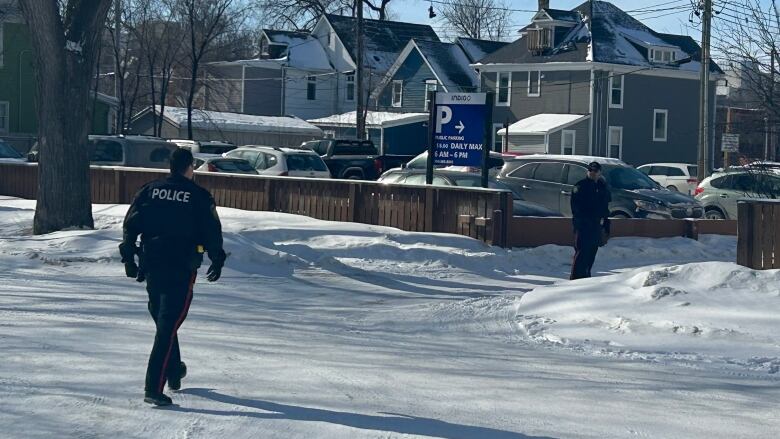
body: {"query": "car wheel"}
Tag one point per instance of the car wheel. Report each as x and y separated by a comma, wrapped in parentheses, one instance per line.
(619, 215)
(354, 177)
(714, 214)
(672, 188)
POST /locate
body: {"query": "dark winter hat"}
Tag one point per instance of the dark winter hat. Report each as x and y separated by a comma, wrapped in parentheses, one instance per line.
(181, 159)
(594, 166)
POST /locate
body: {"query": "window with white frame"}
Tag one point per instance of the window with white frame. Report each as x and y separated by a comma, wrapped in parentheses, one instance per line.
(350, 94)
(534, 83)
(398, 93)
(311, 88)
(568, 137)
(615, 142)
(616, 82)
(498, 141)
(503, 89)
(4, 117)
(430, 86)
(660, 122)
(663, 56)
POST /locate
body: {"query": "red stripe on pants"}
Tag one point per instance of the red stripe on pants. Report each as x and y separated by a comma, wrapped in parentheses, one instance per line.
(179, 321)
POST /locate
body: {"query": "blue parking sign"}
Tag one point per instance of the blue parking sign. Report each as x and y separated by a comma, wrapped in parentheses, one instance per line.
(459, 131)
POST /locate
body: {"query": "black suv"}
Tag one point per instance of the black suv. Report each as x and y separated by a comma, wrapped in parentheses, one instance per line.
(548, 180)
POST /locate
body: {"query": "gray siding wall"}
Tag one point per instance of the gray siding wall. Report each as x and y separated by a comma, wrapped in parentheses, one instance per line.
(642, 95)
(414, 72)
(581, 138)
(224, 91)
(263, 92)
(562, 92)
(296, 102)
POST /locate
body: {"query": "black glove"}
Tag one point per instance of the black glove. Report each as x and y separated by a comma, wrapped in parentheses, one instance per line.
(214, 272)
(131, 269)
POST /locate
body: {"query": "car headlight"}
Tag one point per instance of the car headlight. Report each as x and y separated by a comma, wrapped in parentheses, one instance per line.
(651, 206)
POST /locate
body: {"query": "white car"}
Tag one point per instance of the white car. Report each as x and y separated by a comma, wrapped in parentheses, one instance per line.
(680, 177)
(270, 160)
(217, 163)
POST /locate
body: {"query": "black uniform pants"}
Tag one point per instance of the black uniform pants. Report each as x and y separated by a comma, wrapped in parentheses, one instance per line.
(586, 244)
(170, 294)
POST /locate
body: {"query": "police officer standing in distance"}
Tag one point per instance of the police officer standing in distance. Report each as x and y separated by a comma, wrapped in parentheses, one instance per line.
(590, 200)
(176, 220)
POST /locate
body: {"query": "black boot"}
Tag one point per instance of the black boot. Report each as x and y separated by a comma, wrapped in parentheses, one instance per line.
(174, 383)
(158, 399)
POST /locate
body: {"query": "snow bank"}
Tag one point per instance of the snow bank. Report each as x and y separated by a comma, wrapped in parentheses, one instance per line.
(703, 312)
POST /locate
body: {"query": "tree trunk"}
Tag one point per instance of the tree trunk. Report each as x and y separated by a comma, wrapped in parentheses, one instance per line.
(191, 96)
(65, 57)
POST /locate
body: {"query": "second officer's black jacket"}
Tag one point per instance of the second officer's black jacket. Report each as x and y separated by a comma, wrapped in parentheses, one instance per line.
(590, 204)
(173, 217)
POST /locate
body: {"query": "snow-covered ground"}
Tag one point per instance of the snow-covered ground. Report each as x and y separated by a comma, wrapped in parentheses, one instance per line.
(336, 330)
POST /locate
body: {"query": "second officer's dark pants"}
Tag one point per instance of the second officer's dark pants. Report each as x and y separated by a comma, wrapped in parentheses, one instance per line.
(170, 294)
(586, 244)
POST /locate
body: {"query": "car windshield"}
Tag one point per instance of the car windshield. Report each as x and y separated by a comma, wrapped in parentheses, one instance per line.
(228, 165)
(7, 152)
(305, 162)
(624, 177)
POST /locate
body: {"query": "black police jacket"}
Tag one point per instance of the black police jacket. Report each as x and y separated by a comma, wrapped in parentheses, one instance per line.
(177, 220)
(590, 204)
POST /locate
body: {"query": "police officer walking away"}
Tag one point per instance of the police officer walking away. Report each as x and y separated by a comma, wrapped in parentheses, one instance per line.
(590, 200)
(176, 220)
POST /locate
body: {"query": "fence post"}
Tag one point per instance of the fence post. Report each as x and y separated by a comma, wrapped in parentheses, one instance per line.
(352, 209)
(430, 203)
(692, 229)
(744, 234)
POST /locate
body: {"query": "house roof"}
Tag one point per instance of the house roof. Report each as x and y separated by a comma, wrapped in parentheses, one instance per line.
(563, 15)
(383, 40)
(374, 119)
(235, 122)
(545, 123)
(477, 49)
(605, 34)
(303, 51)
(449, 63)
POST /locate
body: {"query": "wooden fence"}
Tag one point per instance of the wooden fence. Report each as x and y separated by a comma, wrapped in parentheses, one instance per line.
(479, 213)
(759, 234)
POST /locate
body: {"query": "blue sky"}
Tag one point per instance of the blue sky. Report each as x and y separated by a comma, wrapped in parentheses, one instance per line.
(667, 21)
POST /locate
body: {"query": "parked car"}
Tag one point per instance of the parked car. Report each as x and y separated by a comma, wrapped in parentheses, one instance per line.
(353, 159)
(204, 147)
(495, 163)
(132, 151)
(548, 180)
(679, 177)
(217, 163)
(443, 177)
(8, 152)
(268, 160)
(720, 192)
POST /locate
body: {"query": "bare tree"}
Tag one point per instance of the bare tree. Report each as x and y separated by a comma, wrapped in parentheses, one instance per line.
(748, 39)
(481, 19)
(64, 40)
(303, 14)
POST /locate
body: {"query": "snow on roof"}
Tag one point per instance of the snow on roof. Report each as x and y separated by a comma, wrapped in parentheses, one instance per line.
(215, 120)
(449, 63)
(302, 51)
(384, 39)
(543, 123)
(478, 49)
(374, 119)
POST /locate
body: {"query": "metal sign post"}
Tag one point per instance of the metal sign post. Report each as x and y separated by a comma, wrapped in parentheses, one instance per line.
(487, 143)
(458, 135)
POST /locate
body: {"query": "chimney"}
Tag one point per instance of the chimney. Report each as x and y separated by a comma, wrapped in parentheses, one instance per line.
(544, 4)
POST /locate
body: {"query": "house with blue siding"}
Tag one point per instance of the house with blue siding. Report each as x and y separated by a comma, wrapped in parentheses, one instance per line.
(629, 92)
(425, 66)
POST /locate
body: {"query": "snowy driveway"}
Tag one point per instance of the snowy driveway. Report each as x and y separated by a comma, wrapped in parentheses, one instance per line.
(333, 330)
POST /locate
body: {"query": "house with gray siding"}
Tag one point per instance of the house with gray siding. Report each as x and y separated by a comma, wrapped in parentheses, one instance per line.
(293, 77)
(633, 92)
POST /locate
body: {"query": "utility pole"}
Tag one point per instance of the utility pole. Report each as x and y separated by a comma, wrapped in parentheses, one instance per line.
(773, 150)
(704, 101)
(117, 41)
(728, 131)
(360, 112)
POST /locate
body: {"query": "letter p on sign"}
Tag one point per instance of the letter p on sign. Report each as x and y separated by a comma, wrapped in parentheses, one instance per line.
(443, 117)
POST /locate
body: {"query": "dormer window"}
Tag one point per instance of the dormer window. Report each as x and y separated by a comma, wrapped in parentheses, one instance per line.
(540, 39)
(662, 56)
